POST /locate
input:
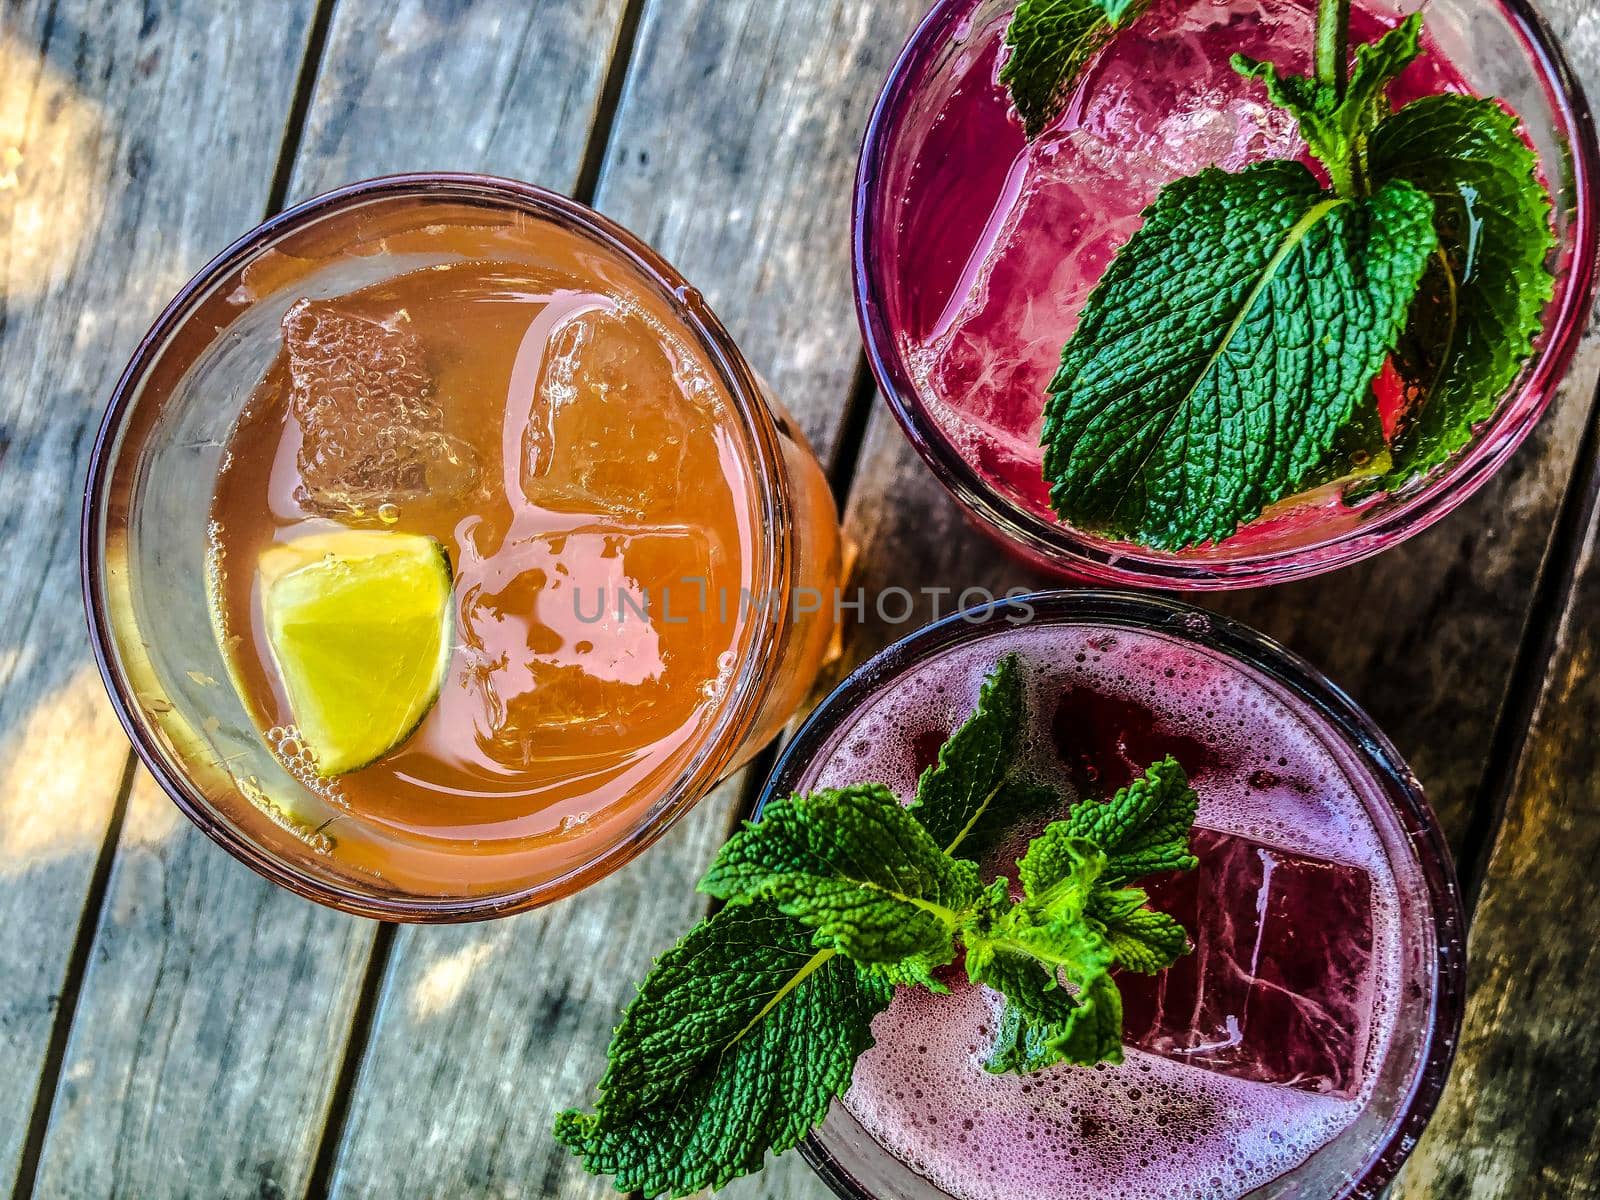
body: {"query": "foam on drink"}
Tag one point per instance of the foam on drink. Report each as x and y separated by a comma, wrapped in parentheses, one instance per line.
(1156, 1126)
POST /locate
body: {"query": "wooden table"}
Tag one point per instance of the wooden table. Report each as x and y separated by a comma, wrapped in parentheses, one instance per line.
(170, 1025)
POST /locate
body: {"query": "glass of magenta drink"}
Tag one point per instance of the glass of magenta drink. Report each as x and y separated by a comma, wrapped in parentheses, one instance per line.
(977, 248)
(1297, 1051)
(441, 549)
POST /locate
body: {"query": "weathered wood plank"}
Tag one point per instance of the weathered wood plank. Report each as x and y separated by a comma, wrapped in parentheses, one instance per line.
(911, 535)
(731, 153)
(113, 118)
(463, 85)
(215, 1012)
(1519, 1116)
(210, 1029)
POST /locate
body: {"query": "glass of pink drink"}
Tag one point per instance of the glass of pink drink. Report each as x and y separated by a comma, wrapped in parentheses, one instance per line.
(1297, 1051)
(975, 251)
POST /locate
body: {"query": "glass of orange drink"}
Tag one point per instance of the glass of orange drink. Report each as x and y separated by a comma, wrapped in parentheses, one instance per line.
(441, 549)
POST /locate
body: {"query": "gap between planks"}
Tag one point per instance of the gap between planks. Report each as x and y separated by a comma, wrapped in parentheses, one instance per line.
(1535, 653)
(300, 107)
(71, 986)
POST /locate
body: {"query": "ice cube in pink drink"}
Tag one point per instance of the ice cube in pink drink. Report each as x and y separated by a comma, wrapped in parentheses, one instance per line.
(1278, 988)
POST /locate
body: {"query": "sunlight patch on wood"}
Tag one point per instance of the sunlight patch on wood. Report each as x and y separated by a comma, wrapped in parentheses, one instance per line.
(443, 983)
(52, 779)
(52, 173)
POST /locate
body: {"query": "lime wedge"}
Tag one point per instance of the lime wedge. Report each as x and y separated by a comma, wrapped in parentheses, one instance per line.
(359, 624)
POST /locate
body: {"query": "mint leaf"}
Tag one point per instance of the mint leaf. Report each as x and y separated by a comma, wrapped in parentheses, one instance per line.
(1482, 304)
(737, 1043)
(859, 870)
(1021, 1044)
(958, 790)
(1142, 829)
(1043, 1024)
(1335, 121)
(1226, 345)
(1023, 952)
(1017, 801)
(1049, 43)
(1142, 939)
(1147, 824)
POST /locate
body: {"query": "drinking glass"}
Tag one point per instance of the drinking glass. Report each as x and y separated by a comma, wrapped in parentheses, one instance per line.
(1406, 1077)
(145, 535)
(1501, 47)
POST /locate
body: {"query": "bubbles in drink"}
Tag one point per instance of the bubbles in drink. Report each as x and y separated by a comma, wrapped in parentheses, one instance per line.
(290, 751)
(314, 836)
(371, 424)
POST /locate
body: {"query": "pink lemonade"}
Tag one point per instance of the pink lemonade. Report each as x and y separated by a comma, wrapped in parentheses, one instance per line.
(990, 245)
(1279, 1050)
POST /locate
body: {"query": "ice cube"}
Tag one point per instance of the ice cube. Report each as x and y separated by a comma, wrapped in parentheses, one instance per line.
(1278, 988)
(992, 360)
(1162, 102)
(618, 423)
(1165, 94)
(373, 431)
(580, 637)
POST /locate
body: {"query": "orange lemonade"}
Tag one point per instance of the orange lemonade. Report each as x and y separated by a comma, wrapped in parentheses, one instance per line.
(570, 448)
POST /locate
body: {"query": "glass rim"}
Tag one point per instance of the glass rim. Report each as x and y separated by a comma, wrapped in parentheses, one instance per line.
(776, 558)
(1302, 681)
(1105, 563)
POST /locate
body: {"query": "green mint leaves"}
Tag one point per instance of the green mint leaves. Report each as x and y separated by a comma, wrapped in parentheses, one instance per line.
(1074, 920)
(1225, 360)
(746, 1031)
(1049, 43)
(1337, 121)
(1489, 286)
(1144, 828)
(859, 869)
(737, 1042)
(1227, 344)
(958, 791)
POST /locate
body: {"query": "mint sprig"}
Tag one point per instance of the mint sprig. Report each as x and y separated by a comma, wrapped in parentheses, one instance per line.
(1225, 359)
(746, 1031)
(1049, 43)
(1226, 345)
(1336, 118)
(1070, 877)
